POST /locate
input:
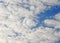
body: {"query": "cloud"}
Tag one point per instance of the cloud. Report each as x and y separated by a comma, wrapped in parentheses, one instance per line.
(19, 27)
(57, 16)
(51, 2)
(51, 22)
(54, 23)
(30, 23)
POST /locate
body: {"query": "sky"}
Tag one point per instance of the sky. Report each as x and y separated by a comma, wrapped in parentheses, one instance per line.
(48, 14)
(29, 21)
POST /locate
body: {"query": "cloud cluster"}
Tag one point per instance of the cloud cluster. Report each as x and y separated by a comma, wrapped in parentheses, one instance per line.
(56, 24)
(18, 20)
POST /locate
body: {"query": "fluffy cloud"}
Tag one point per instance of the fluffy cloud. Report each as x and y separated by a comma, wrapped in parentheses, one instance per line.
(30, 23)
(18, 21)
(55, 23)
(57, 16)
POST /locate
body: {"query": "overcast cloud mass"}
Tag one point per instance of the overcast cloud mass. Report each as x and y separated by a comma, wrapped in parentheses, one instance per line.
(20, 21)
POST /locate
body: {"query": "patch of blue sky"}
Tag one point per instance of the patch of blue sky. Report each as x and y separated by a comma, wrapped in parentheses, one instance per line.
(48, 14)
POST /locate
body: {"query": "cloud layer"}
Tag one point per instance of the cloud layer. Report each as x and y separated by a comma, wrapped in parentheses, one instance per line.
(19, 22)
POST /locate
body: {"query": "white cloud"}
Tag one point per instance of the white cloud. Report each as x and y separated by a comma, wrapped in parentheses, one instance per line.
(30, 23)
(17, 27)
(53, 23)
(51, 2)
(57, 16)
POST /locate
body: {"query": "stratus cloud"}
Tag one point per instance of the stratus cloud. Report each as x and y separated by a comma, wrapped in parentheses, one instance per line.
(17, 27)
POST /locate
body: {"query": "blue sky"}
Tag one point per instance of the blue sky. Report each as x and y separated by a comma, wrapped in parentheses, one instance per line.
(48, 14)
